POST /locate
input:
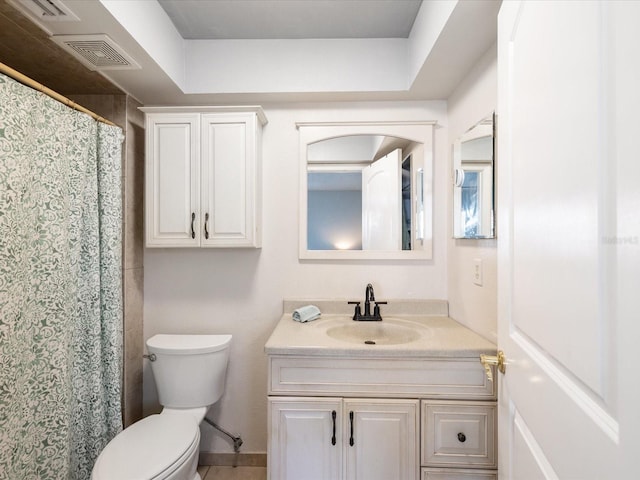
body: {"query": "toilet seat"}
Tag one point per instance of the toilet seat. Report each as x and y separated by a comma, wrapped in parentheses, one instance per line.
(150, 449)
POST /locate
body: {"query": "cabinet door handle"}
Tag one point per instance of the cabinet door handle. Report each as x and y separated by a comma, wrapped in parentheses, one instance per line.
(333, 437)
(193, 219)
(206, 226)
(351, 442)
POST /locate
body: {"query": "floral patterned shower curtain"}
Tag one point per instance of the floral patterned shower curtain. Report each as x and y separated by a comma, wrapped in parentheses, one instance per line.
(60, 286)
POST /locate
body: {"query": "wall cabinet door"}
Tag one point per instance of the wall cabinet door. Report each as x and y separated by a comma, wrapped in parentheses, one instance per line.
(305, 440)
(229, 180)
(172, 189)
(381, 439)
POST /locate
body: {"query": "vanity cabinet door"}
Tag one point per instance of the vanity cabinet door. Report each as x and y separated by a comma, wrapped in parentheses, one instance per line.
(381, 439)
(305, 438)
(172, 170)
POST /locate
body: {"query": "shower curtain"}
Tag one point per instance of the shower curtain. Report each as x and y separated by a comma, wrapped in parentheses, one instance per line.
(60, 286)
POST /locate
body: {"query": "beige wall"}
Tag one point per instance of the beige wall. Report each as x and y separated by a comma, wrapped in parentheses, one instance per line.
(472, 305)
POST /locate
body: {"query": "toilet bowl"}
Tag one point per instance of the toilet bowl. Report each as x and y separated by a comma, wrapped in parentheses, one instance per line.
(190, 372)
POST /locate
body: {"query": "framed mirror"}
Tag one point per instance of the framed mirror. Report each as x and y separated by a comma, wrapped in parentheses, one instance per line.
(473, 182)
(366, 190)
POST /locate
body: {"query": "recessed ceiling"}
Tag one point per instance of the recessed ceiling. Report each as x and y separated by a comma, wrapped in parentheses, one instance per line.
(288, 19)
(197, 52)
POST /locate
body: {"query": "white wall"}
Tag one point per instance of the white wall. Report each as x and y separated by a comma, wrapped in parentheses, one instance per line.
(472, 305)
(241, 291)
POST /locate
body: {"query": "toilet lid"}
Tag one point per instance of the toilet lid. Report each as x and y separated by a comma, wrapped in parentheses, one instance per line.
(147, 448)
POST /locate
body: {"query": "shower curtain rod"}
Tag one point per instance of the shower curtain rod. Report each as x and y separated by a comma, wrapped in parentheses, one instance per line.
(7, 70)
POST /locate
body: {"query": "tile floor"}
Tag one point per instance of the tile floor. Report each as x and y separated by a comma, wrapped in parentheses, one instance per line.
(232, 473)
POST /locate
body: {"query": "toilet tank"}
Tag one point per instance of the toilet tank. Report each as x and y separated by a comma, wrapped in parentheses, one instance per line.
(189, 370)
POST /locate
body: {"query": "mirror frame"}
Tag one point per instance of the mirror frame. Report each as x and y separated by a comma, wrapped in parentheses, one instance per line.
(417, 131)
(457, 160)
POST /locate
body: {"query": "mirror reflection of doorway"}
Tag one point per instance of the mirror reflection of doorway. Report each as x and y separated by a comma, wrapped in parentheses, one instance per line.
(406, 203)
(470, 208)
(381, 203)
(369, 207)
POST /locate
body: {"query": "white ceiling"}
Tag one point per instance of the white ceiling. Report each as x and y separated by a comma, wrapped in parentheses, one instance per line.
(198, 52)
(280, 19)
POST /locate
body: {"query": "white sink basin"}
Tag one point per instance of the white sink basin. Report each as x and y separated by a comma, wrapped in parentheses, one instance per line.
(375, 333)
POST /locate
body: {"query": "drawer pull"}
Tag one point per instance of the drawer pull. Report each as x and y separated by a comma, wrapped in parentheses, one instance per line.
(461, 437)
(351, 442)
(193, 219)
(206, 226)
(333, 437)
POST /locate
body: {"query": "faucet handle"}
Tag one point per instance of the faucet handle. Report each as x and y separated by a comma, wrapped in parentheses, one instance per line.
(357, 313)
(376, 309)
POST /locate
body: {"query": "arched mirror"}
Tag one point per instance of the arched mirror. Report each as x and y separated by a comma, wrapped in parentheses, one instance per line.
(473, 182)
(366, 191)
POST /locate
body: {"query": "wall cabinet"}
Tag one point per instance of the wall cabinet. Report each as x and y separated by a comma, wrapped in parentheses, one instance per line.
(334, 438)
(203, 176)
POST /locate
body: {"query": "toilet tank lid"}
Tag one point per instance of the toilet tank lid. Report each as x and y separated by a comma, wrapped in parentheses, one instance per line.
(187, 344)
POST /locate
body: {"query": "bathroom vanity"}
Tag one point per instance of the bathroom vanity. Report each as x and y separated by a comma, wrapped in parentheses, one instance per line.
(404, 398)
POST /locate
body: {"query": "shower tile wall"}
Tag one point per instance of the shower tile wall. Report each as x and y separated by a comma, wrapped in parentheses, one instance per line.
(123, 111)
(133, 262)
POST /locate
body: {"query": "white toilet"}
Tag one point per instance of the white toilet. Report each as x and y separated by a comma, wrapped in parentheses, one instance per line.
(190, 372)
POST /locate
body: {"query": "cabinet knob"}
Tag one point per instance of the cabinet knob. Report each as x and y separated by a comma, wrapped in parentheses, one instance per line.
(461, 437)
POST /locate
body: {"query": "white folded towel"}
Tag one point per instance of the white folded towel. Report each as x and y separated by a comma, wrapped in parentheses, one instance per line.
(306, 314)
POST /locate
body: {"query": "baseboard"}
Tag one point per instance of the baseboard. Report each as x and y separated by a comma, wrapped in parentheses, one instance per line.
(233, 459)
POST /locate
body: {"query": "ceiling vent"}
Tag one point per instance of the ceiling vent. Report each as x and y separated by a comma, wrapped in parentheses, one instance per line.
(46, 10)
(96, 52)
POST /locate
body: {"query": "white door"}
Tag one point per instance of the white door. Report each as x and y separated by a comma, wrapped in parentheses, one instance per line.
(568, 239)
(381, 439)
(306, 440)
(382, 203)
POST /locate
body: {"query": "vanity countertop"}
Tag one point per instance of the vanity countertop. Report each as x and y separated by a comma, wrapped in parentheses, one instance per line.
(413, 329)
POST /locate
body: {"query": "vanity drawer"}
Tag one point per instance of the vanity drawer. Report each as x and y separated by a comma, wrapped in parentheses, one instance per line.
(459, 434)
(457, 474)
(379, 377)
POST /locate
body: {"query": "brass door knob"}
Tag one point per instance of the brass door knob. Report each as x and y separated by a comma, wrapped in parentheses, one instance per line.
(489, 360)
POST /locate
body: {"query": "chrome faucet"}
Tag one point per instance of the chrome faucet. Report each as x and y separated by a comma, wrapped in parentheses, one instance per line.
(369, 297)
